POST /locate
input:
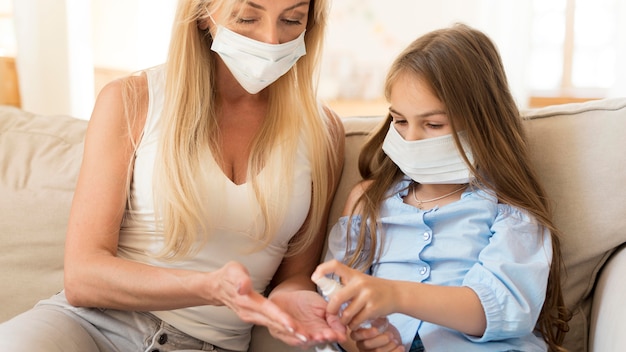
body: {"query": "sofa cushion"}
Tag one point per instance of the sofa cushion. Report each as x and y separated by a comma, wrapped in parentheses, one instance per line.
(579, 151)
(39, 161)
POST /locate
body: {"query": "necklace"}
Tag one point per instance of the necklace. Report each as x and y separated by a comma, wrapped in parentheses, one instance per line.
(421, 202)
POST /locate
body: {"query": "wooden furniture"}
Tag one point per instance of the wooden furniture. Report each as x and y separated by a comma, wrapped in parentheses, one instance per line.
(9, 87)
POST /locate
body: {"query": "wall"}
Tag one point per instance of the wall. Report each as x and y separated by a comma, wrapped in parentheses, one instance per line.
(131, 34)
(364, 36)
(61, 41)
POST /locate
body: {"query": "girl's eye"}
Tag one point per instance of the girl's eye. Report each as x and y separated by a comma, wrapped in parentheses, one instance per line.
(435, 126)
(399, 122)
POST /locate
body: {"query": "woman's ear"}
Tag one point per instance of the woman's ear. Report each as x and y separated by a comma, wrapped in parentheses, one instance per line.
(203, 23)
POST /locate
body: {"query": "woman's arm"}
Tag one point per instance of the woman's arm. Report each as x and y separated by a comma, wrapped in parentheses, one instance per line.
(94, 276)
(294, 272)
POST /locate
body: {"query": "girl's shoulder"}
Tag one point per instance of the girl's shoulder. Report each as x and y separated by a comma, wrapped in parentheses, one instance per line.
(501, 210)
(355, 193)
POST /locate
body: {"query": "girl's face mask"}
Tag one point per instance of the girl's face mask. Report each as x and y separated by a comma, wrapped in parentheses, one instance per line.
(255, 64)
(431, 160)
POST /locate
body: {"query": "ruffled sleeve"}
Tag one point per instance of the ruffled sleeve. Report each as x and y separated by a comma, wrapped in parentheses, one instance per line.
(337, 238)
(511, 274)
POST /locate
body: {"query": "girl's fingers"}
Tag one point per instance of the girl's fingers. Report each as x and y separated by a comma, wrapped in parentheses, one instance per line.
(330, 267)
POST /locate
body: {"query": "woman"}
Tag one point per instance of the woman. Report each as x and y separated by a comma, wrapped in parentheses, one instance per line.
(205, 183)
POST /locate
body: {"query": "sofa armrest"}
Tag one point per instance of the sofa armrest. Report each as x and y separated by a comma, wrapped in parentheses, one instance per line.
(608, 313)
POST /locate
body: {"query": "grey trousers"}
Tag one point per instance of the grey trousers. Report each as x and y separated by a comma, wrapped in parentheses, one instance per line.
(53, 325)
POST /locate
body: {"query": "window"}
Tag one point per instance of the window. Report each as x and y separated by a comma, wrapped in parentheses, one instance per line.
(7, 33)
(9, 94)
(573, 50)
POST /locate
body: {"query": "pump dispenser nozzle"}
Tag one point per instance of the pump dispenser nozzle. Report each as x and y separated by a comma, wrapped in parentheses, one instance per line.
(328, 286)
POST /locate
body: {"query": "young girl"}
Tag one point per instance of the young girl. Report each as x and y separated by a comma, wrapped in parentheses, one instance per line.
(450, 220)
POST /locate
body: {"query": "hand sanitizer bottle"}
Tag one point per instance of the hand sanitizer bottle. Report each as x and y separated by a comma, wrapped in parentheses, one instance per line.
(328, 287)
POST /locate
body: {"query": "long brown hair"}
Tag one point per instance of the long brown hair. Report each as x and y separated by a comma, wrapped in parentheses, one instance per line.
(465, 71)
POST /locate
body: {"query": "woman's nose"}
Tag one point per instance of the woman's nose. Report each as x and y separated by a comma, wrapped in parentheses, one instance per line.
(270, 35)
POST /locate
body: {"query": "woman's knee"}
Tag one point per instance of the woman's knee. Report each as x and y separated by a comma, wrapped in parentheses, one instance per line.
(45, 329)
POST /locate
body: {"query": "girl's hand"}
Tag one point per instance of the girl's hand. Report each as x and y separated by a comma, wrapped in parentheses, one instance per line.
(381, 337)
(368, 297)
(308, 309)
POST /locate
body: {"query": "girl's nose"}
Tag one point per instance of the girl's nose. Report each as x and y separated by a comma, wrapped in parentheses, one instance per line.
(413, 134)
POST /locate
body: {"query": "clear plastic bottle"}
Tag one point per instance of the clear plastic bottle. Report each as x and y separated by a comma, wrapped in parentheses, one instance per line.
(329, 287)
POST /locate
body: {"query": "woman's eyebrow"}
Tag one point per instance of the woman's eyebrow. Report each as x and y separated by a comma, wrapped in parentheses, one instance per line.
(260, 7)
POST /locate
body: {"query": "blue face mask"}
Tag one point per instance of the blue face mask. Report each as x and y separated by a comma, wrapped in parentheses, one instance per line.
(431, 160)
(255, 64)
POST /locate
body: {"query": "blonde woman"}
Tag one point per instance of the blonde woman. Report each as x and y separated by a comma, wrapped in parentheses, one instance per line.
(205, 183)
(451, 225)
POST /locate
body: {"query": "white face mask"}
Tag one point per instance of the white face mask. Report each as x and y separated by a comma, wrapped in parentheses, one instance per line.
(431, 160)
(255, 64)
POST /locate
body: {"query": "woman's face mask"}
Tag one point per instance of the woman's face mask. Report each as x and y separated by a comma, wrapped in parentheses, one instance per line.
(253, 63)
(429, 161)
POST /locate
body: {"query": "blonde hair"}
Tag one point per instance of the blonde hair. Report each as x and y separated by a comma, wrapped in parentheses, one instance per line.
(464, 70)
(189, 132)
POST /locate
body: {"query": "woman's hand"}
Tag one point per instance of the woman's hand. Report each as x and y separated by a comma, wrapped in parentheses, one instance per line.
(308, 309)
(369, 297)
(381, 337)
(236, 292)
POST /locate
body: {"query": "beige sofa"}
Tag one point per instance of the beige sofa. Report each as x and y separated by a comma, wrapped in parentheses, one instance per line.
(579, 150)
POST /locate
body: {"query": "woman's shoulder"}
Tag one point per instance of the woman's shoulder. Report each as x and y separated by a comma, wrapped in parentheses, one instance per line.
(336, 129)
(128, 89)
(123, 102)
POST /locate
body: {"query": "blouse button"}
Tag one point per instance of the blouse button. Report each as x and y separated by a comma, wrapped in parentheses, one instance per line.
(426, 236)
(423, 270)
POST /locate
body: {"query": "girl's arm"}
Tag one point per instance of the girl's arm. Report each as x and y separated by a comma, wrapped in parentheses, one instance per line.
(455, 307)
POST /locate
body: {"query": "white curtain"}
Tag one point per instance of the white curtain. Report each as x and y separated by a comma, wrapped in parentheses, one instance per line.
(54, 58)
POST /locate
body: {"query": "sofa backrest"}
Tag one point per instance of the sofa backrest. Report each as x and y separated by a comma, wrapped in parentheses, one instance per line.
(39, 161)
(580, 154)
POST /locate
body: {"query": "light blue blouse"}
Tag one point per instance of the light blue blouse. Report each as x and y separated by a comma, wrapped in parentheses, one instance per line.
(499, 251)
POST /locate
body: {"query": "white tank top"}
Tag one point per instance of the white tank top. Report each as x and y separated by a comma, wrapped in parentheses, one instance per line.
(231, 239)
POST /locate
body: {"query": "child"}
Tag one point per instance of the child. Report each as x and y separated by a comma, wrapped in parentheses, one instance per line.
(450, 220)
